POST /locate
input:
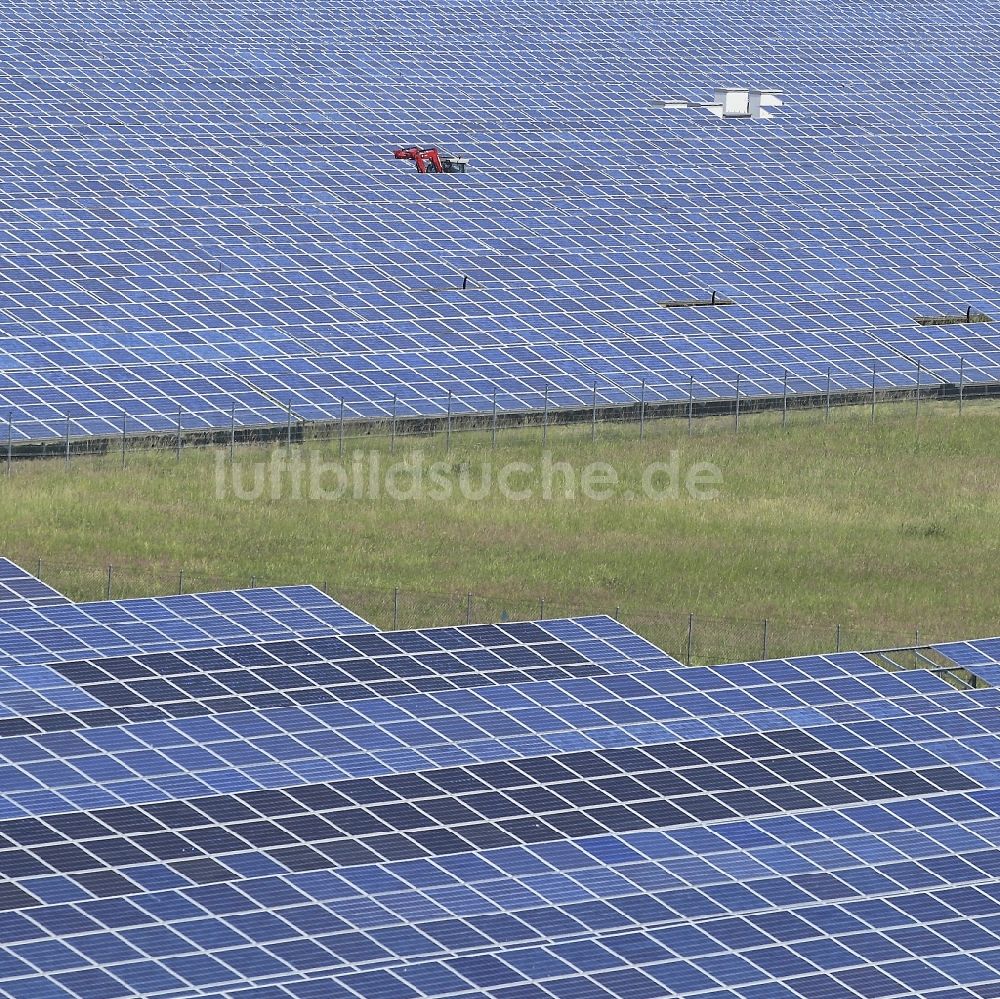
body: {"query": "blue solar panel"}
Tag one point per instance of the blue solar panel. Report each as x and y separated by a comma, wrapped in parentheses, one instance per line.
(257, 795)
(550, 807)
(46, 633)
(980, 657)
(19, 589)
(546, 870)
(214, 219)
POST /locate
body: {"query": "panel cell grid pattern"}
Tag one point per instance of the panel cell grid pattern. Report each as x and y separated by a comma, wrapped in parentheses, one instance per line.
(18, 588)
(36, 635)
(106, 758)
(202, 222)
(544, 809)
(843, 849)
(980, 657)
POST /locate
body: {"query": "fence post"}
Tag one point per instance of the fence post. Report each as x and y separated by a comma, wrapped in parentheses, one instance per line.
(737, 428)
(468, 609)
(873, 393)
(493, 424)
(618, 613)
(124, 432)
(689, 637)
(593, 418)
(341, 428)
(784, 399)
(38, 574)
(232, 433)
(838, 637)
(288, 433)
(827, 414)
(253, 582)
(180, 581)
(545, 418)
(67, 438)
(690, 403)
(918, 390)
(395, 608)
(178, 433)
(10, 440)
(392, 438)
(541, 609)
(448, 440)
(764, 656)
(107, 592)
(642, 410)
(961, 383)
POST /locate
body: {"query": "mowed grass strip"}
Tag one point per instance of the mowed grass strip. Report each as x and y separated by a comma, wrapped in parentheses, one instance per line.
(885, 528)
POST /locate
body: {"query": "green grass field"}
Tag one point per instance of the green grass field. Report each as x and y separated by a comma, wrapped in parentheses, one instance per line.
(882, 529)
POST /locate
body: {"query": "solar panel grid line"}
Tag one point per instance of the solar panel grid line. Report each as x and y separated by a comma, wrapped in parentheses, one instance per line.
(633, 980)
(41, 635)
(248, 677)
(382, 746)
(765, 740)
(612, 941)
(186, 855)
(385, 733)
(973, 653)
(236, 664)
(294, 773)
(18, 588)
(609, 196)
(193, 162)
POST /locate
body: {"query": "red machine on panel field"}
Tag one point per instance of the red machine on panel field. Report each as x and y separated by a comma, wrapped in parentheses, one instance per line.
(429, 160)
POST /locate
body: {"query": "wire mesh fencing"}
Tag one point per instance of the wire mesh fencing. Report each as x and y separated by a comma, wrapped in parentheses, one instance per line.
(393, 418)
(691, 638)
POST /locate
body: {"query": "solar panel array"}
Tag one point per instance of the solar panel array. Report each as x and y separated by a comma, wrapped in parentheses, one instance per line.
(980, 657)
(20, 590)
(41, 634)
(201, 220)
(52, 629)
(543, 809)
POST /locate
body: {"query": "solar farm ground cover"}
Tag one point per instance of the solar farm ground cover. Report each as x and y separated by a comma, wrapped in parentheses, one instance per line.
(816, 524)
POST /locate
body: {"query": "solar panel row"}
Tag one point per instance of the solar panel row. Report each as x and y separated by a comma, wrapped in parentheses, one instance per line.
(547, 809)
(201, 212)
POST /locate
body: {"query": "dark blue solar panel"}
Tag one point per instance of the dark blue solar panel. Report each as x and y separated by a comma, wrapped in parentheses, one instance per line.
(369, 814)
(233, 795)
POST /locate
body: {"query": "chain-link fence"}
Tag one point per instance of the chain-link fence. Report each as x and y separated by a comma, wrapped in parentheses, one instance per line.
(395, 416)
(689, 637)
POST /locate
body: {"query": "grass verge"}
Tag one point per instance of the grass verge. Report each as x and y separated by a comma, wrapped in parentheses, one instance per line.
(888, 529)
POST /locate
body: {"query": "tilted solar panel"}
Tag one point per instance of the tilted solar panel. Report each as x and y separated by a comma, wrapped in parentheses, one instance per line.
(18, 588)
(201, 210)
(548, 808)
(43, 634)
(680, 861)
